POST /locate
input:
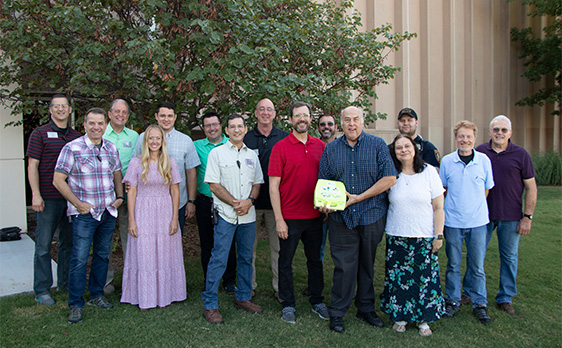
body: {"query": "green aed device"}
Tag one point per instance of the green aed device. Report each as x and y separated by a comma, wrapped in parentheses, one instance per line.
(331, 194)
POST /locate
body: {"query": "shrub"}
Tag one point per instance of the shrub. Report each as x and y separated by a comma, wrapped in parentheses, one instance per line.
(548, 168)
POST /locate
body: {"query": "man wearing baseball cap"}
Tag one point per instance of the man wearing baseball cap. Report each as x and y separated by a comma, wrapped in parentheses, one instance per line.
(407, 124)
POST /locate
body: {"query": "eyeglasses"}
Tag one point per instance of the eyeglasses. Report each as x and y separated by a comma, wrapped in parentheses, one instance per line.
(263, 108)
(300, 116)
(323, 124)
(210, 125)
(497, 130)
(60, 106)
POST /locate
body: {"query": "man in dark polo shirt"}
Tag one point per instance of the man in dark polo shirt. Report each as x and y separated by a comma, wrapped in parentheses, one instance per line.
(407, 125)
(45, 144)
(362, 162)
(509, 216)
(261, 139)
(293, 173)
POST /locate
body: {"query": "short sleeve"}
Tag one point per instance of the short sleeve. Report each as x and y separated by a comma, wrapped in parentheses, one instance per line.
(35, 145)
(489, 172)
(138, 147)
(258, 177)
(133, 172)
(191, 156)
(528, 171)
(443, 172)
(385, 162)
(212, 174)
(275, 161)
(435, 185)
(176, 177)
(65, 162)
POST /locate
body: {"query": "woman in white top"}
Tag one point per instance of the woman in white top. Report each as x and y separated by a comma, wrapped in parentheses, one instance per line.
(414, 233)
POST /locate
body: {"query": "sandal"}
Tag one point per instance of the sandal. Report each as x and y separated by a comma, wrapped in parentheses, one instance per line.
(399, 326)
(424, 329)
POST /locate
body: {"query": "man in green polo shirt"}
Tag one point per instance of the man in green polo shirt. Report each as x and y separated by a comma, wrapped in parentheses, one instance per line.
(125, 140)
(212, 127)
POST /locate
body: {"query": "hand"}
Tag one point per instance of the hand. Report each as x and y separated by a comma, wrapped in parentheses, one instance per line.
(282, 229)
(241, 206)
(351, 199)
(325, 218)
(84, 208)
(174, 227)
(117, 203)
(437, 244)
(37, 204)
(325, 210)
(127, 186)
(524, 227)
(133, 228)
(189, 210)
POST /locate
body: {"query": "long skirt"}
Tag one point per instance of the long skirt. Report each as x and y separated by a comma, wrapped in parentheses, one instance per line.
(412, 287)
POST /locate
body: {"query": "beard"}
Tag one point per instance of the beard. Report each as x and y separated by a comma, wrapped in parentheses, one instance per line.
(296, 127)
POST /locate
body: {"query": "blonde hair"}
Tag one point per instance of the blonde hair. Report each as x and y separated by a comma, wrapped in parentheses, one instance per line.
(164, 165)
(465, 124)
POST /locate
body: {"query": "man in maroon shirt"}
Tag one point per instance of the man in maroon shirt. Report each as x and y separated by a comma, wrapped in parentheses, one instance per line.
(509, 216)
(45, 144)
(293, 173)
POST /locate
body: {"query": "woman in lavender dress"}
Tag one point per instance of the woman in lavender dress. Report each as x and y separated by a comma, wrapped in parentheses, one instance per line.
(154, 273)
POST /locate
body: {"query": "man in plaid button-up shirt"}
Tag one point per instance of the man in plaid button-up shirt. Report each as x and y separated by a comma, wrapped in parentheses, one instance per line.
(93, 170)
(363, 163)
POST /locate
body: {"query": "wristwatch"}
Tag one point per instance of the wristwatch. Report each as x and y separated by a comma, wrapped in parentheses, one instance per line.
(253, 200)
(528, 216)
(439, 236)
(192, 201)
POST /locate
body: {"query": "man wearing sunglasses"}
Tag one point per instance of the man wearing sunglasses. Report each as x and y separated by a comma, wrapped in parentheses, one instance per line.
(509, 216)
(327, 128)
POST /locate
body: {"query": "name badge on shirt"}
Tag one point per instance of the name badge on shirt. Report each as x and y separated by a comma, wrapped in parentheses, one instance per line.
(250, 162)
(52, 135)
(127, 144)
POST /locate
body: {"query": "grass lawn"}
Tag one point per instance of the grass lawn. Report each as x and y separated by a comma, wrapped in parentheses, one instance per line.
(536, 324)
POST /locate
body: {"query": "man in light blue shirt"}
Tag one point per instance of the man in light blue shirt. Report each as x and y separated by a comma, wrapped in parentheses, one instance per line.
(125, 140)
(181, 149)
(467, 175)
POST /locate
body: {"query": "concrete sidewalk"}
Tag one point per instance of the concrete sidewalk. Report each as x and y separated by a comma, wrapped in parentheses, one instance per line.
(16, 266)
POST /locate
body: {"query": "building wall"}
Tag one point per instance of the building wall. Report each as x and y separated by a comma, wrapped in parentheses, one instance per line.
(462, 65)
(12, 175)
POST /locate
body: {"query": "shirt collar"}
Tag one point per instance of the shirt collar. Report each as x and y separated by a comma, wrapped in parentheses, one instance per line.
(110, 130)
(232, 146)
(206, 141)
(57, 128)
(475, 159)
(92, 145)
(359, 139)
(490, 148)
(293, 139)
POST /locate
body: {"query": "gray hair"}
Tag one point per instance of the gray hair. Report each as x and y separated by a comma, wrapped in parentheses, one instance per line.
(352, 107)
(122, 101)
(501, 118)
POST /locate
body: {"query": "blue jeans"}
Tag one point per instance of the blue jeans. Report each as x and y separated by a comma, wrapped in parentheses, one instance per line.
(508, 243)
(87, 230)
(324, 235)
(224, 233)
(475, 254)
(52, 217)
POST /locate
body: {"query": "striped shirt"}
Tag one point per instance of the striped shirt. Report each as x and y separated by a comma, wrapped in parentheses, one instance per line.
(359, 168)
(90, 174)
(45, 144)
(181, 149)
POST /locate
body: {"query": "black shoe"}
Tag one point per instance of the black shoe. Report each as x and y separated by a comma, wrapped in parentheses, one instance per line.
(482, 314)
(229, 289)
(451, 309)
(336, 324)
(371, 318)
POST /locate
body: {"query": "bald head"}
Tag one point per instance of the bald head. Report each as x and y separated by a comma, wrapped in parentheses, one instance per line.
(265, 112)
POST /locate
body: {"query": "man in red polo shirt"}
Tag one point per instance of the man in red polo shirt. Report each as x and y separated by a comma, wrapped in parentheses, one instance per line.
(293, 173)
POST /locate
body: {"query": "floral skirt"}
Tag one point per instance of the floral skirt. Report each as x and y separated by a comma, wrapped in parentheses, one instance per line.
(412, 287)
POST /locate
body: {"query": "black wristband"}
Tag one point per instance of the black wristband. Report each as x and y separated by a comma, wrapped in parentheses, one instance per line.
(120, 198)
(192, 201)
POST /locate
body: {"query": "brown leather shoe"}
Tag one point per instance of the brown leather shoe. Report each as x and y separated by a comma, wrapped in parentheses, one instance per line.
(213, 316)
(465, 300)
(248, 306)
(506, 307)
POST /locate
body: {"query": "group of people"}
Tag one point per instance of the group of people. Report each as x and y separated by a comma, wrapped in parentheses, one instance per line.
(147, 185)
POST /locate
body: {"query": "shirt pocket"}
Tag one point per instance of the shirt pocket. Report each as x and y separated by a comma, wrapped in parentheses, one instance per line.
(86, 165)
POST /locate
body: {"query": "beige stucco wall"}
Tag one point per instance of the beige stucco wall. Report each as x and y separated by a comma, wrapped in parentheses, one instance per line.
(12, 175)
(462, 65)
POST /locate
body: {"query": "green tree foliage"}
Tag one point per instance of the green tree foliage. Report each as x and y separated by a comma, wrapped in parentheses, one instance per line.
(223, 55)
(542, 53)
